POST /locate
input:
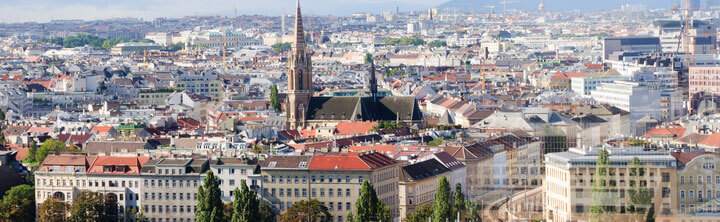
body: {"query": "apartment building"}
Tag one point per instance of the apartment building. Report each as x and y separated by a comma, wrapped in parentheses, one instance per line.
(698, 188)
(419, 180)
(233, 171)
(63, 177)
(500, 166)
(332, 178)
(164, 189)
(169, 188)
(206, 84)
(569, 177)
(704, 79)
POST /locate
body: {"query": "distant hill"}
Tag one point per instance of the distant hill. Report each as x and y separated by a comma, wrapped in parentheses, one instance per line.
(552, 5)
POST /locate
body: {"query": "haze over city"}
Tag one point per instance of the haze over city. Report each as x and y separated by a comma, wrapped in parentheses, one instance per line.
(45, 10)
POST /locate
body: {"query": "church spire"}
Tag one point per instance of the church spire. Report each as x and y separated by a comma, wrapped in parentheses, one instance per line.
(299, 32)
(371, 80)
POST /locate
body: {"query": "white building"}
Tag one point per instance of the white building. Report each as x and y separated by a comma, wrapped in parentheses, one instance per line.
(220, 38)
(636, 98)
(584, 85)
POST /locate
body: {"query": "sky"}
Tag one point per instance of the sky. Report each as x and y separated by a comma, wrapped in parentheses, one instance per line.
(45, 10)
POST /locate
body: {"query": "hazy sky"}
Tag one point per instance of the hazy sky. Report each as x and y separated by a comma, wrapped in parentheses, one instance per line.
(44, 10)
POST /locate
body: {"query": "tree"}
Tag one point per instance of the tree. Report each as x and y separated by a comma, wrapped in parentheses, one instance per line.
(437, 43)
(246, 205)
(2, 116)
(89, 206)
(52, 210)
(640, 196)
(473, 212)
(209, 206)
(48, 147)
(281, 47)
(32, 153)
(421, 213)
(436, 142)
(300, 210)
(442, 208)
(368, 207)
(274, 99)
(266, 212)
(18, 204)
(600, 197)
(459, 202)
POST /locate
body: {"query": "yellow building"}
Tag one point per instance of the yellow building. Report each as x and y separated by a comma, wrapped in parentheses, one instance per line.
(569, 178)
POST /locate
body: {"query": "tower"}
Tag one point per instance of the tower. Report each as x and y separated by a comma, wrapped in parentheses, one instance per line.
(371, 83)
(300, 89)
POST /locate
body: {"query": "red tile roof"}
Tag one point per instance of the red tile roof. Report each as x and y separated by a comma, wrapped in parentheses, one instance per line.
(133, 164)
(101, 129)
(349, 161)
(674, 132)
(354, 128)
(685, 157)
(712, 140)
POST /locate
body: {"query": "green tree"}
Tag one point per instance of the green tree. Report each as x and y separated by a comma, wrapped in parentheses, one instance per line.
(2, 116)
(52, 210)
(300, 210)
(245, 205)
(436, 142)
(421, 213)
(442, 208)
(640, 196)
(274, 98)
(473, 212)
(266, 212)
(18, 204)
(89, 207)
(209, 206)
(368, 207)
(32, 153)
(437, 43)
(600, 198)
(48, 147)
(281, 47)
(459, 202)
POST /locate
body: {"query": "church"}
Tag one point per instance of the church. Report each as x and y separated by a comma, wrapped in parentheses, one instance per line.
(306, 110)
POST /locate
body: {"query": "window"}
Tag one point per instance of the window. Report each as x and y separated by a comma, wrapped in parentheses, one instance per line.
(360, 179)
(347, 179)
(682, 179)
(232, 182)
(665, 177)
(232, 171)
(347, 192)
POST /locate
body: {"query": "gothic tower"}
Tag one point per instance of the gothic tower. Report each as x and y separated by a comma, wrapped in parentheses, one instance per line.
(299, 77)
(371, 83)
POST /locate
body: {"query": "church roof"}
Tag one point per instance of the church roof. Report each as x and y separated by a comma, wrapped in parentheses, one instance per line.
(364, 109)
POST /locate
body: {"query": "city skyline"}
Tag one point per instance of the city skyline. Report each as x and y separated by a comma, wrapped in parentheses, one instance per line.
(14, 11)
